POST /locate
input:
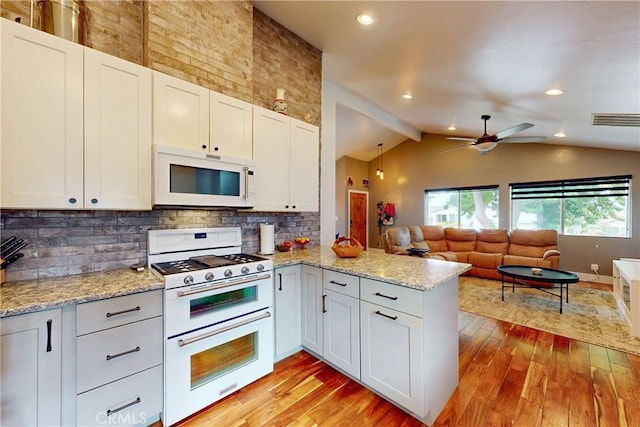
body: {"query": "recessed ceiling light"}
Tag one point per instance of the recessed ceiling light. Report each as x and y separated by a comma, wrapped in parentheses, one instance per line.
(554, 92)
(365, 19)
(452, 127)
(407, 96)
(560, 134)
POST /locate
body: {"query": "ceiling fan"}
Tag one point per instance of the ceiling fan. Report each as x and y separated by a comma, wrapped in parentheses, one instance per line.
(489, 142)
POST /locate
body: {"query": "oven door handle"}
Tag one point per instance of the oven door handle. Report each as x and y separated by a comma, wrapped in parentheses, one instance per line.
(222, 285)
(182, 343)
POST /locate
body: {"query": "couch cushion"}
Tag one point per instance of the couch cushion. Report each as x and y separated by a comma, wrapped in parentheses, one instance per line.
(532, 243)
(399, 239)
(434, 237)
(417, 239)
(485, 260)
(493, 241)
(524, 260)
(460, 239)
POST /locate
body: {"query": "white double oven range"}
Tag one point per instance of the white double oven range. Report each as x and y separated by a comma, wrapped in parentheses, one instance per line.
(218, 324)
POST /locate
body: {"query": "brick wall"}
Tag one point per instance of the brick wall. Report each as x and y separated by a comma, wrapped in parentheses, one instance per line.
(226, 46)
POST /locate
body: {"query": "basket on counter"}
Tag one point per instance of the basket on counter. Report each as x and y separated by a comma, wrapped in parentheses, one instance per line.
(349, 250)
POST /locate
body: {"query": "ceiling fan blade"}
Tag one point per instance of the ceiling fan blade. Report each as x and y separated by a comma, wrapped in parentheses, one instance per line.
(515, 129)
(456, 138)
(454, 149)
(523, 139)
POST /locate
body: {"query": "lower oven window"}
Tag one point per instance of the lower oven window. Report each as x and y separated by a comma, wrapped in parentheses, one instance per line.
(217, 361)
(204, 305)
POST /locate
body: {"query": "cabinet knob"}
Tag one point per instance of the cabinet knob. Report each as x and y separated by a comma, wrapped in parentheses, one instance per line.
(72, 200)
(286, 206)
(204, 147)
(94, 201)
(293, 207)
(215, 148)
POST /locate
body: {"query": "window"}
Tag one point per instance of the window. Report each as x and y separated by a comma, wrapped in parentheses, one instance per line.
(577, 207)
(469, 207)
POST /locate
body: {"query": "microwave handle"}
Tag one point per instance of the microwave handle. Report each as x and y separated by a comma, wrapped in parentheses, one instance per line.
(248, 182)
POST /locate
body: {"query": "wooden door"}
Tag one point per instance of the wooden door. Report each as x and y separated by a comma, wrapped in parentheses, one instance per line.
(358, 202)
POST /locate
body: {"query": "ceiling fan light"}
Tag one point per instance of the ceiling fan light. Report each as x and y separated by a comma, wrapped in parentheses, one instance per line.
(365, 19)
(554, 92)
(560, 134)
(485, 146)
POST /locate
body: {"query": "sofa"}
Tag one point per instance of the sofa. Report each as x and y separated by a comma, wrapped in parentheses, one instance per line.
(483, 249)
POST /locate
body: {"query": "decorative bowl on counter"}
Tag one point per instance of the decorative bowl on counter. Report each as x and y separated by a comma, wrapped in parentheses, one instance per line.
(346, 247)
(286, 246)
(302, 242)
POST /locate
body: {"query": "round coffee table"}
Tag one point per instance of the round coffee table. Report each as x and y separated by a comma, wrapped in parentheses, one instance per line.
(549, 278)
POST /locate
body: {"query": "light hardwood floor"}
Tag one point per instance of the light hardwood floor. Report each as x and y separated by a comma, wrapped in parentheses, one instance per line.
(509, 375)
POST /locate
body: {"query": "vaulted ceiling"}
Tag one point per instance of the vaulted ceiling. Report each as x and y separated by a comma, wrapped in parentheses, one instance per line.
(460, 60)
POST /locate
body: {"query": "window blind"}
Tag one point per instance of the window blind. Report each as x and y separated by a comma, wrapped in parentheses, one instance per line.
(610, 186)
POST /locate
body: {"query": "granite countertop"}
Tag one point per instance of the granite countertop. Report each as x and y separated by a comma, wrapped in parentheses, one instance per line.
(410, 271)
(43, 294)
(35, 295)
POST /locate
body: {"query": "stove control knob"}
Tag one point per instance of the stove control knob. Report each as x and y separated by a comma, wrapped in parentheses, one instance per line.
(188, 280)
(208, 277)
(245, 270)
(228, 273)
(260, 267)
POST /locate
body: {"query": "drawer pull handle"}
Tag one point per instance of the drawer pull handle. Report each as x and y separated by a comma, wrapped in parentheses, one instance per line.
(227, 389)
(125, 406)
(338, 283)
(386, 296)
(133, 350)
(182, 343)
(129, 310)
(386, 315)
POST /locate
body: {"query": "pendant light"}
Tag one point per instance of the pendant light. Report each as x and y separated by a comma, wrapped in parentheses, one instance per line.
(380, 170)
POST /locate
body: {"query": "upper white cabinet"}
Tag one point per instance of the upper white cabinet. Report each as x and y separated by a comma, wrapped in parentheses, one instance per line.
(189, 116)
(76, 125)
(286, 153)
(31, 369)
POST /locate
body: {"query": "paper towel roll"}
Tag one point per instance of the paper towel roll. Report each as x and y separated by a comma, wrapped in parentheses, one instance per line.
(267, 239)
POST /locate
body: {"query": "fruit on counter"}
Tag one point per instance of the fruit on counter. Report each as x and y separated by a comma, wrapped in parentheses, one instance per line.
(302, 240)
(287, 244)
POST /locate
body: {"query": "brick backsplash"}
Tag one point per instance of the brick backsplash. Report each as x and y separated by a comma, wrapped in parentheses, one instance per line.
(62, 243)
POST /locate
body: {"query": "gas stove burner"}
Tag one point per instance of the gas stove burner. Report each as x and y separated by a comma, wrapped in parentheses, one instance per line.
(243, 258)
(175, 267)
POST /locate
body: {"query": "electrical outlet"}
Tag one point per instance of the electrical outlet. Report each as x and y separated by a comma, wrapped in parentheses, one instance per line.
(594, 267)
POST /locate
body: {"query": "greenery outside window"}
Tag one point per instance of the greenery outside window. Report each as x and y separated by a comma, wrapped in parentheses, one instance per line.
(576, 207)
(468, 207)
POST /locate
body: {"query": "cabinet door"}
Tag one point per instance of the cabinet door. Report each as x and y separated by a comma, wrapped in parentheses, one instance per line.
(180, 113)
(287, 311)
(30, 368)
(304, 167)
(312, 306)
(230, 126)
(41, 120)
(342, 332)
(117, 133)
(392, 355)
(271, 156)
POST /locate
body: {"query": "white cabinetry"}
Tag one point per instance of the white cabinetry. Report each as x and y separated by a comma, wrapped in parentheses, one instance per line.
(30, 369)
(189, 116)
(119, 359)
(392, 346)
(311, 296)
(76, 125)
(626, 290)
(287, 311)
(286, 152)
(341, 321)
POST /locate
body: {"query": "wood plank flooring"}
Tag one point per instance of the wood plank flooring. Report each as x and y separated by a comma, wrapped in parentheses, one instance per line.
(509, 375)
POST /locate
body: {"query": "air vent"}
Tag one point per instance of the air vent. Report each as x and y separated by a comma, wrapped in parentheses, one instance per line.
(613, 119)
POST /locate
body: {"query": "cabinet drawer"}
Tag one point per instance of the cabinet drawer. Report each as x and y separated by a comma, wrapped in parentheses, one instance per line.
(342, 283)
(107, 313)
(395, 297)
(118, 352)
(138, 398)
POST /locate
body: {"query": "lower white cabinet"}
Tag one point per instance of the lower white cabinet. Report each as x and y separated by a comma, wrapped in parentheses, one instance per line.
(30, 369)
(311, 304)
(287, 311)
(119, 355)
(392, 354)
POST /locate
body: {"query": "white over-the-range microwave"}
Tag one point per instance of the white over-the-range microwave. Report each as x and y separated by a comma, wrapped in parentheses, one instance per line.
(189, 178)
